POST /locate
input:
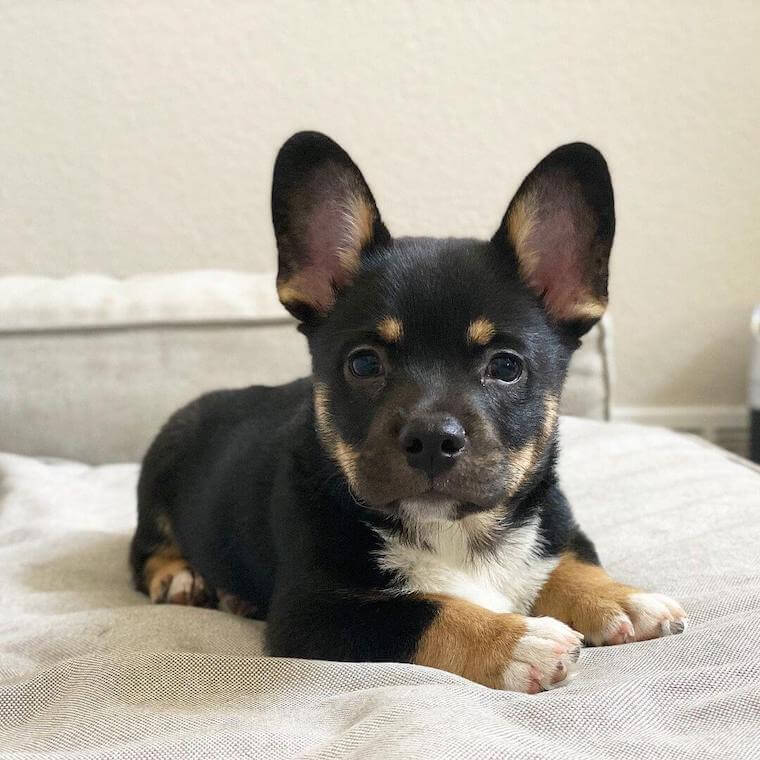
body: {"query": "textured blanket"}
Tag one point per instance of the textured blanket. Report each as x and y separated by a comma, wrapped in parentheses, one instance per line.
(88, 668)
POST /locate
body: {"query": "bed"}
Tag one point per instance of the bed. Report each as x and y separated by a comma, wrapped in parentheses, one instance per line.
(88, 668)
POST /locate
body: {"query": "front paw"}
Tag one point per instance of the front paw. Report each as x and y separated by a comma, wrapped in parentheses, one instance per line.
(605, 611)
(543, 657)
(641, 616)
(499, 650)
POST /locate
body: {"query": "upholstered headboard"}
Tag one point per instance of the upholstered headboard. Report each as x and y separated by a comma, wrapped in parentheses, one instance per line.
(91, 366)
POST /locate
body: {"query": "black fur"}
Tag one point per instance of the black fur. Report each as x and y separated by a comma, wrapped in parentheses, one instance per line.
(253, 496)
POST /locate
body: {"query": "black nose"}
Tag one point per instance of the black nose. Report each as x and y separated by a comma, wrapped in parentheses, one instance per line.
(432, 443)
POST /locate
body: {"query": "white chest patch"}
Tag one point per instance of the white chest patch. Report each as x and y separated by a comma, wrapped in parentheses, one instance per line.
(507, 580)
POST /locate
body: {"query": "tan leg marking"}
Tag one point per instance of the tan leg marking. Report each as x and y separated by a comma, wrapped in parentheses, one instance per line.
(502, 651)
(603, 610)
(169, 578)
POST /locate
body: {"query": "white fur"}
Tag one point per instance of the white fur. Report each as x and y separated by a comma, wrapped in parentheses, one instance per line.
(619, 630)
(181, 583)
(652, 615)
(649, 617)
(507, 580)
(544, 657)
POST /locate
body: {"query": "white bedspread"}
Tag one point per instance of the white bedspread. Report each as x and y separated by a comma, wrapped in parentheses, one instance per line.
(89, 669)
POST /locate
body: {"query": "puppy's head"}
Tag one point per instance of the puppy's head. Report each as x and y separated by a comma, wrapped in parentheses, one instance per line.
(438, 364)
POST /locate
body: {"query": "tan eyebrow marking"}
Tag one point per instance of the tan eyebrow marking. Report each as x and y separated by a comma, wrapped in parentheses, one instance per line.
(390, 329)
(481, 331)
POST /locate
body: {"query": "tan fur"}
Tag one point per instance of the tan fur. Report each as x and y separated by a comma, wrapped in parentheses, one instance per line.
(160, 568)
(343, 453)
(521, 223)
(358, 217)
(521, 462)
(583, 596)
(390, 329)
(290, 294)
(481, 331)
(524, 460)
(470, 641)
(480, 527)
(551, 413)
(592, 308)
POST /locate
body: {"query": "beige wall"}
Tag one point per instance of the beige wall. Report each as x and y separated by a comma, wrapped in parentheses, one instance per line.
(140, 136)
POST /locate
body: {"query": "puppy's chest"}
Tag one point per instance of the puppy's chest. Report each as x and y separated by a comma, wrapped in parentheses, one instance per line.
(507, 579)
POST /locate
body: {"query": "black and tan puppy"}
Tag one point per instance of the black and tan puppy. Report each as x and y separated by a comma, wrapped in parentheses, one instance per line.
(402, 503)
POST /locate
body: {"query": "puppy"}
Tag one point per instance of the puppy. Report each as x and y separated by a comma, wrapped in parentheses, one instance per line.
(402, 503)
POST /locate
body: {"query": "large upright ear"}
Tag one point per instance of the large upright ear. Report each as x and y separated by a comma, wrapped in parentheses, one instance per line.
(560, 226)
(324, 216)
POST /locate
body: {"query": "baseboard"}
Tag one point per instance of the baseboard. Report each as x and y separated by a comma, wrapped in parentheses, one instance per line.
(727, 426)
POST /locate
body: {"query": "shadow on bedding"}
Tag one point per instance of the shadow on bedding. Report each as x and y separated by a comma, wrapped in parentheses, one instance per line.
(85, 562)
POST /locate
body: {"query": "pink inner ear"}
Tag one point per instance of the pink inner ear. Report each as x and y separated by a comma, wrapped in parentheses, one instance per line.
(324, 271)
(331, 234)
(556, 256)
(326, 237)
(557, 270)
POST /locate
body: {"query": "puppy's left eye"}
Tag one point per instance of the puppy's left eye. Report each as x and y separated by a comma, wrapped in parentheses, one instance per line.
(505, 366)
(365, 363)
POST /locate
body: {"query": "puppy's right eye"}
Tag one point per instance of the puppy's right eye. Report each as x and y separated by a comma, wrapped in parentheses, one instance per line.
(365, 363)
